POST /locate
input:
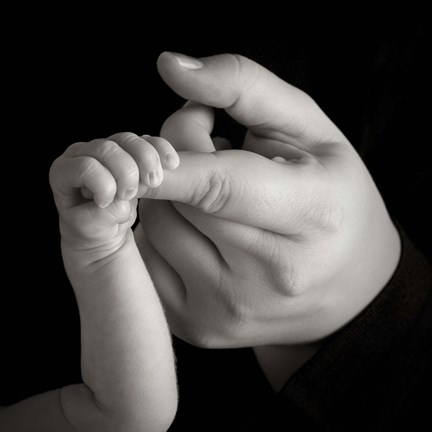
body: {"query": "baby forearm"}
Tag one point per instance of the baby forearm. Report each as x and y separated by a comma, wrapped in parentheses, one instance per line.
(127, 358)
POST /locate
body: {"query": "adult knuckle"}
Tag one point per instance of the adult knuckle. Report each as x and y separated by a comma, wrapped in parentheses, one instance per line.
(247, 73)
(287, 280)
(243, 65)
(238, 61)
(329, 218)
(214, 192)
(281, 268)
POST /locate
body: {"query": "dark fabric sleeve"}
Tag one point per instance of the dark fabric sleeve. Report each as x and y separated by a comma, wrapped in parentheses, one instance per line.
(376, 373)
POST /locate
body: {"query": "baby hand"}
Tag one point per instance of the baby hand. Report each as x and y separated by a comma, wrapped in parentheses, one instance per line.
(96, 185)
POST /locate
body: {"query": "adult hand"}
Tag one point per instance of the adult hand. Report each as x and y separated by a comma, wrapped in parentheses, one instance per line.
(282, 242)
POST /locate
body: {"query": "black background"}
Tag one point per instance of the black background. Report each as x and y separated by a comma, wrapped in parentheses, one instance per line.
(91, 79)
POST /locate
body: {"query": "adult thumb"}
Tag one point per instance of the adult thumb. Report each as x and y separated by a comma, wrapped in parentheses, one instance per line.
(251, 94)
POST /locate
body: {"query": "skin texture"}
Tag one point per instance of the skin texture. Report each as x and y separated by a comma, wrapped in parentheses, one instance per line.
(127, 363)
(275, 246)
(248, 250)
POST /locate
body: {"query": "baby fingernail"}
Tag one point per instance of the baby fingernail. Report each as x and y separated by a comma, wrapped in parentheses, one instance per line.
(154, 178)
(104, 204)
(130, 193)
(171, 158)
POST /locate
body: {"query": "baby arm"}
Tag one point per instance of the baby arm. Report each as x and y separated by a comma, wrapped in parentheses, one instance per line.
(128, 369)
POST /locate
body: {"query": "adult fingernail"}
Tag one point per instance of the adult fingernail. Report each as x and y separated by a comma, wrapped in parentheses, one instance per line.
(187, 61)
